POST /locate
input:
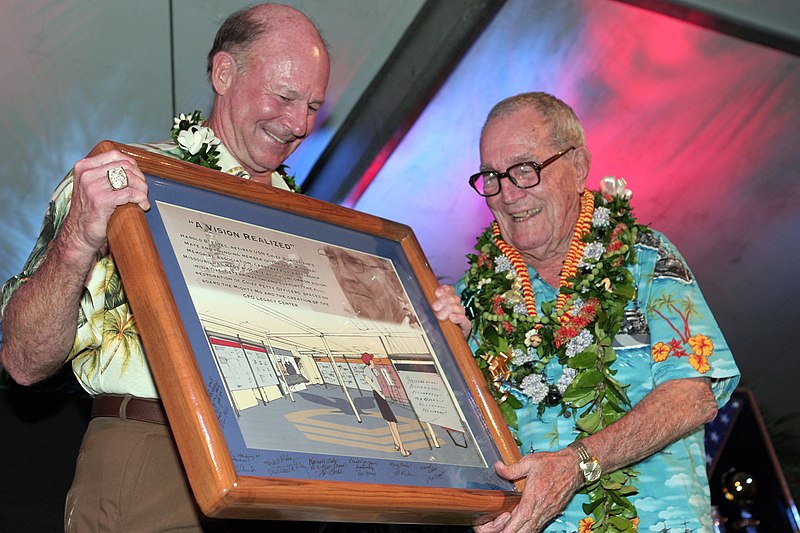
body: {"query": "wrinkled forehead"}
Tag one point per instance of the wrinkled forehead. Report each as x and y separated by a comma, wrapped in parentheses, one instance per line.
(300, 44)
(521, 134)
(301, 49)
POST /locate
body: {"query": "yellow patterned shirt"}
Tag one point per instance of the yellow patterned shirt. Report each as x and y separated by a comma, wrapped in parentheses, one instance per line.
(107, 355)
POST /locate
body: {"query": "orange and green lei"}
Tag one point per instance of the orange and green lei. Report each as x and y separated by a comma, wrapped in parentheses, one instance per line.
(516, 343)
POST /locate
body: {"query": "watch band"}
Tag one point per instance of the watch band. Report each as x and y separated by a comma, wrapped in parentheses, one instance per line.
(583, 453)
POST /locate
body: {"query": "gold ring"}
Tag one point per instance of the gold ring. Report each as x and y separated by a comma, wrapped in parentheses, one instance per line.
(117, 178)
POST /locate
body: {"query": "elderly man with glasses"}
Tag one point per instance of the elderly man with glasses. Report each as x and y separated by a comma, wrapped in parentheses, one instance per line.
(593, 335)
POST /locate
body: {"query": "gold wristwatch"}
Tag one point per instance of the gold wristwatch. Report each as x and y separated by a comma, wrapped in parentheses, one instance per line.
(590, 467)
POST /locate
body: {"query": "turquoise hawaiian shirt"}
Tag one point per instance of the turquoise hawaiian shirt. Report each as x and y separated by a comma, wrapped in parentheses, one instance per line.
(669, 333)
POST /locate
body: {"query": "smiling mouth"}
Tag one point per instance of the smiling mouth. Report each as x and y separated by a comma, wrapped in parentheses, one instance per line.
(277, 139)
(525, 215)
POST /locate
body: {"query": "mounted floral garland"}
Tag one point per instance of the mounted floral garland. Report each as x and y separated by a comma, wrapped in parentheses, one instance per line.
(199, 145)
(577, 329)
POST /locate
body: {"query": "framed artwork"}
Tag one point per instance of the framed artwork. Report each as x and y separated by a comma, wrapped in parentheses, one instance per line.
(303, 372)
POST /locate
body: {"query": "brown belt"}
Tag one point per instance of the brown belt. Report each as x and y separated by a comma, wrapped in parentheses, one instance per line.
(130, 408)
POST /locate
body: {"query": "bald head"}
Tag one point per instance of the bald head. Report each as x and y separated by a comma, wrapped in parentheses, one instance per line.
(244, 27)
(269, 72)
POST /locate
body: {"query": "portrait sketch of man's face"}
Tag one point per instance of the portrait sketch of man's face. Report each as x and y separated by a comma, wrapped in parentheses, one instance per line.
(370, 285)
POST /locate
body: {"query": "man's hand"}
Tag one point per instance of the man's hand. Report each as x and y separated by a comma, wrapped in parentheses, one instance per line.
(551, 480)
(667, 413)
(447, 306)
(94, 201)
(41, 318)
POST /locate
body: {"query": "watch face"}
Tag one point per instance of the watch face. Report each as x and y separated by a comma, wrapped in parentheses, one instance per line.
(591, 471)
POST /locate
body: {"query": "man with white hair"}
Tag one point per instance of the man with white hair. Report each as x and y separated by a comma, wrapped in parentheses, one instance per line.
(593, 334)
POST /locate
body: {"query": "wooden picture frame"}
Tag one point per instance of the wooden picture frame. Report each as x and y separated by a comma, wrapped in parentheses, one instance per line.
(202, 271)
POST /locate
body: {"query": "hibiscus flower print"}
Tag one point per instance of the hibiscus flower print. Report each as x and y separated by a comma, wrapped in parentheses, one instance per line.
(660, 352)
(699, 363)
(585, 525)
(701, 345)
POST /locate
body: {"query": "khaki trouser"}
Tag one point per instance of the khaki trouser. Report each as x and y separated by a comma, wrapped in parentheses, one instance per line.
(129, 479)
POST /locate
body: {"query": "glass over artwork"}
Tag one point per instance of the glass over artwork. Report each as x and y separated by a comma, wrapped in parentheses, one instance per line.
(303, 372)
(321, 357)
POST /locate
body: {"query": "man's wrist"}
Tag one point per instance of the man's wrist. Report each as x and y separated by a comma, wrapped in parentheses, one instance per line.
(588, 465)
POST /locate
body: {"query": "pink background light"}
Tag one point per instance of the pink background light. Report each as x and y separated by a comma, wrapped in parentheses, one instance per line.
(703, 126)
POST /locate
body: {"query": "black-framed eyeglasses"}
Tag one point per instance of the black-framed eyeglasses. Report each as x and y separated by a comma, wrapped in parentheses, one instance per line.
(523, 175)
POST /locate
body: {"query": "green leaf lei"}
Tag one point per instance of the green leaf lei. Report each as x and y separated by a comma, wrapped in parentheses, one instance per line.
(513, 355)
(198, 144)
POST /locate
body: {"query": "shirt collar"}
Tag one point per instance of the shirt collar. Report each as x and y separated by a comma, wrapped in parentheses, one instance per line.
(230, 165)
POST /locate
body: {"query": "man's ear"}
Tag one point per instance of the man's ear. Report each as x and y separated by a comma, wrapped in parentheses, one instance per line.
(223, 70)
(583, 160)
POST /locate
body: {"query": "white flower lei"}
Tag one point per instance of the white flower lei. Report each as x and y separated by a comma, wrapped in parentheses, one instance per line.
(199, 145)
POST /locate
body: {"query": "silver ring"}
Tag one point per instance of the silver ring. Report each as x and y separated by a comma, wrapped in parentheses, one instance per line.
(117, 178)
